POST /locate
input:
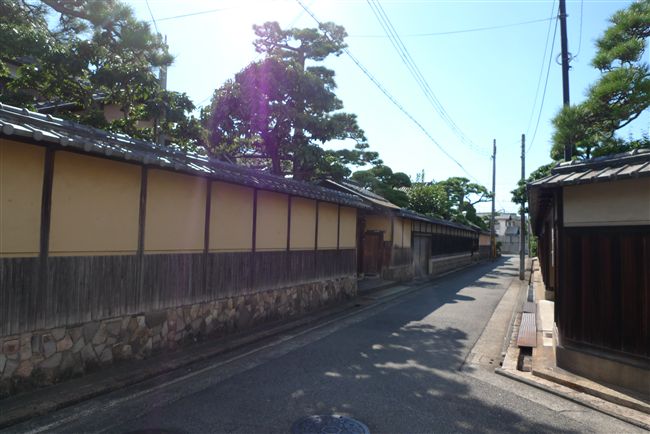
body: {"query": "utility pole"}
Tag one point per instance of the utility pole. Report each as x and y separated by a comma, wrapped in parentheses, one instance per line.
(493, 238)
(162, 78)
(568, 147)
(522, 229)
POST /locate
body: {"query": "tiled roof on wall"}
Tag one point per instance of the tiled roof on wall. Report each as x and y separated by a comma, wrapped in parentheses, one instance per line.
(631, 164)
(22, 124)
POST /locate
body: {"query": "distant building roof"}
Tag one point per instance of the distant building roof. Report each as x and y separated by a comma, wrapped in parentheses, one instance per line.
(379, 202)
(24, 125)
(358, 190)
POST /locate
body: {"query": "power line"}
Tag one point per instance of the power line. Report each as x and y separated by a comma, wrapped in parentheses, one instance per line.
(192, 14)
(453, 32)
(541, 107)
(541, 68)
(582, 3)
(152, 18)
(389, 96)
(412, 67)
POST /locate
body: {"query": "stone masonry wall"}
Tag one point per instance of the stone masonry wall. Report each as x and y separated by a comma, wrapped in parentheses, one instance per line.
(401, 273)
(45, 356)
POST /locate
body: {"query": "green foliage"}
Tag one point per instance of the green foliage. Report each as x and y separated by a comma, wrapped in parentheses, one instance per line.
(451, 199)
(618, 97)
(533, 243)
(429, 199)
(278, 112)
(386, 183)
(72, 51)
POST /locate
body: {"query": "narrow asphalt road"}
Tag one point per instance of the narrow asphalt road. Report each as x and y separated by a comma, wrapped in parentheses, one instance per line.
(394, 366)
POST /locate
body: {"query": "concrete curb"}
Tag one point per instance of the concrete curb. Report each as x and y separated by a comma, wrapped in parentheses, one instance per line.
(618, 399)
(575, 397)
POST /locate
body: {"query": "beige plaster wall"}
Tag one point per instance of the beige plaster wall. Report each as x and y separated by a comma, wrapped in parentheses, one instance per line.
(95, 206)
(348, 229)
(625, 202)
(231, 218)
(397, 231)
(379, 223)
(272, 216)
(483, 240)
(21, 187)
(175, 217)
(408, 226)
(327, 225)
(303, 224)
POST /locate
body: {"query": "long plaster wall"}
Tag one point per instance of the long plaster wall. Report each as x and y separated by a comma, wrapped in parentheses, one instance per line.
(125, 270)
(95, 210)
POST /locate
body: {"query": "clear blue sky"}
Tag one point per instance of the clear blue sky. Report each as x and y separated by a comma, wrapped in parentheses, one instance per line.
(486, 80)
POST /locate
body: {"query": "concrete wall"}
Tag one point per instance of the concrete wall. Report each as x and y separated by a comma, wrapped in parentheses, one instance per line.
(21, 185)
(615, 203)
(442, 264)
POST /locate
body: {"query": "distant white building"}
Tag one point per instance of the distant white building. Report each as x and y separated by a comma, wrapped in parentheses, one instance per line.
(507, 228)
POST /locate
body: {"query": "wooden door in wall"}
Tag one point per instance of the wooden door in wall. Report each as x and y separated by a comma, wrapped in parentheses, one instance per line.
(421, 255)
(373, 243)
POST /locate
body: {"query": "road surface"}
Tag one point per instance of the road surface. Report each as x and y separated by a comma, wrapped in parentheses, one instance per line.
(396, 366)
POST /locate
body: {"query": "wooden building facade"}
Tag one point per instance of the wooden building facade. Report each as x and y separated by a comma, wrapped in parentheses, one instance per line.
(592, 220)
(399, 244)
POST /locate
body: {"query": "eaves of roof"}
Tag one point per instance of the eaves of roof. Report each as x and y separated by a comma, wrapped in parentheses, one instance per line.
(633, 164)
(46, 130)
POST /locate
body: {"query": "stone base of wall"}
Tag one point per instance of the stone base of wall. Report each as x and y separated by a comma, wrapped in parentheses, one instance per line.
(45, 356)
(398, 273)
(442, 264)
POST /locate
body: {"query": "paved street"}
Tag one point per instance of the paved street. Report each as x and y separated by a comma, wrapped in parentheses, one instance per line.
(395, 366)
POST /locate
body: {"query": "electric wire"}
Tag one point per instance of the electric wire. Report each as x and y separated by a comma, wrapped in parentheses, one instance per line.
(579, 40)
(192, 14)
(541, 68)
(454, 32)
(392, 99)
(541, 107)
(152, 18)
(414, 70)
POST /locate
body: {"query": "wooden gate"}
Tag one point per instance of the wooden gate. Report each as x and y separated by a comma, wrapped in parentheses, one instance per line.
(373, 243)
(421, 255)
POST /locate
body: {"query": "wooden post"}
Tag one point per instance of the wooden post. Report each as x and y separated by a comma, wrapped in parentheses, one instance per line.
(254, 219)
(316, 232)
(44, 247)
(522, 211)
(289, 224)
(206, 239)
(338, 227)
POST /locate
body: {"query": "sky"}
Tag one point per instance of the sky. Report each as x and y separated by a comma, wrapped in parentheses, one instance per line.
(487, 71)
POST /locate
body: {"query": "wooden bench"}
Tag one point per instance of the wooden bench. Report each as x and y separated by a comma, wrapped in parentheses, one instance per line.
(527, 336)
